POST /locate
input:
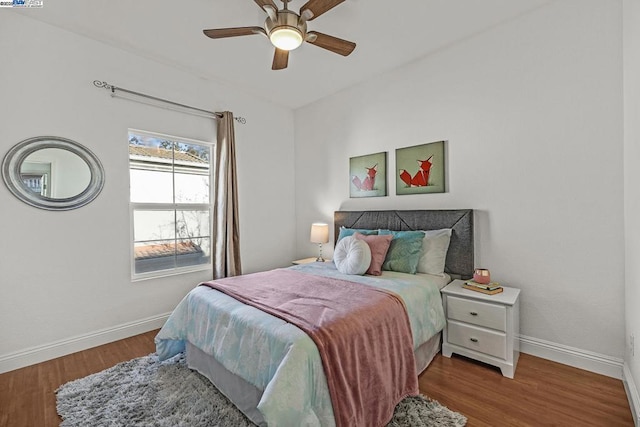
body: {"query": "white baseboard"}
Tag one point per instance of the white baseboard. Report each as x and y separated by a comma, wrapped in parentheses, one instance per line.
(578, 358)
(632, 393)
(41, 353)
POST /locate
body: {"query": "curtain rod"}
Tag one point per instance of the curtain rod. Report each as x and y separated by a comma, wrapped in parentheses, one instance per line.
(113, 89)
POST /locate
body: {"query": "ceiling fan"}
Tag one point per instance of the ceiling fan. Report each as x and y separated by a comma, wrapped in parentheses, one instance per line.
(287, 30)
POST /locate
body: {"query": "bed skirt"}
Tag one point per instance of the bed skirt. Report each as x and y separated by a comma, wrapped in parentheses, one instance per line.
(246, 396)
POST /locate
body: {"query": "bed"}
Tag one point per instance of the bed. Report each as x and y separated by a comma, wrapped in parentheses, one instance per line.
(269, 368)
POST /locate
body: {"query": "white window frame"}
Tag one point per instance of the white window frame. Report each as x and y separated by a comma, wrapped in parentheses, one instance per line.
(133, 206)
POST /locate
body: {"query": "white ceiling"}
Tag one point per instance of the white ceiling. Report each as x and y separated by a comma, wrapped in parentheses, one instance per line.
(388, 34)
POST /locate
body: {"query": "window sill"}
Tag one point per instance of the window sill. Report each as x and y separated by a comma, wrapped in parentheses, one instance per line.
(168, 273)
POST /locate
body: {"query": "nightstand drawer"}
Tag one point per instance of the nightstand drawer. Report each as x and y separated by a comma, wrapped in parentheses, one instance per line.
(482, 340)
(478, 313)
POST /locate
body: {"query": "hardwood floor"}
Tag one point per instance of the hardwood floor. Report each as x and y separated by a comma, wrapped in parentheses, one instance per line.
(27, 395)
(543, 393)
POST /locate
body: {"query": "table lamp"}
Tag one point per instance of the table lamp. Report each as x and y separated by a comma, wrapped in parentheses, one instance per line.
(319, 235)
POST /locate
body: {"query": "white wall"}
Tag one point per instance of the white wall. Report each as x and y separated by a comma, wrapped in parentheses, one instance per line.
(65, 276)
(632, 199)
(532, 111)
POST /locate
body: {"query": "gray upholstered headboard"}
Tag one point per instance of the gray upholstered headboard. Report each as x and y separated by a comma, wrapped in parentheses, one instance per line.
(460, 262)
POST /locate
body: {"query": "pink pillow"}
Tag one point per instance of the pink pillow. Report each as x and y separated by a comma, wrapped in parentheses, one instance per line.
(379, 246)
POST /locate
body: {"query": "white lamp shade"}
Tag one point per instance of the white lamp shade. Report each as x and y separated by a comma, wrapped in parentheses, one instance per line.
(319, 233)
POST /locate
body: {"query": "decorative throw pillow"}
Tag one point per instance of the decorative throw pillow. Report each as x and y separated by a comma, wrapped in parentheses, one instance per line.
(404, 251)
(434, 251)
(345, 232)
(352, 256)
(379, 246)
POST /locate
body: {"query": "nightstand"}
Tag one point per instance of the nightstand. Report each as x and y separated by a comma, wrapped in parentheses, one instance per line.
(482, 327)
(307, 261)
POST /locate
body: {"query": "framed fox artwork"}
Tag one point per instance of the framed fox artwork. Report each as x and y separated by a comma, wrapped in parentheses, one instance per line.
(368, 175)
(420, 169)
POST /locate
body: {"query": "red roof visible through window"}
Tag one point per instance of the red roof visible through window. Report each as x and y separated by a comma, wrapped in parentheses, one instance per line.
(166, 249)
(163, 153)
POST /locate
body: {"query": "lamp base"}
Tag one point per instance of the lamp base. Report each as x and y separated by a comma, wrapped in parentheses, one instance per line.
(319, 259)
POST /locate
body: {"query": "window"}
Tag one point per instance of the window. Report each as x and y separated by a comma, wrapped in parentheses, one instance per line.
(170, 194)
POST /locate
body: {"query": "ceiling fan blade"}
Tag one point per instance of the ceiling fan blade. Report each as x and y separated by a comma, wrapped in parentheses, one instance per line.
(266, 3)
(317, 7)
(280, 59)
(220, 33)
(268, 6)
(334, 44)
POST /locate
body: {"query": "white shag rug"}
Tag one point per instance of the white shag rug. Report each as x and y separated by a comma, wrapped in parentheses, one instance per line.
(147, 392)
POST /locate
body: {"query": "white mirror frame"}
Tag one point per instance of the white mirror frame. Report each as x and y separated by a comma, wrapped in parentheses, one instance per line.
(15, 157)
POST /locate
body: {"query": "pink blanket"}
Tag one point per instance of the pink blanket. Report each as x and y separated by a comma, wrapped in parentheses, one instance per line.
(362, 333)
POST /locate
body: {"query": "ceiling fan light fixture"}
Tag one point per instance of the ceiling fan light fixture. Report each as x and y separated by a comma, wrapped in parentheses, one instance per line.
(286, 38)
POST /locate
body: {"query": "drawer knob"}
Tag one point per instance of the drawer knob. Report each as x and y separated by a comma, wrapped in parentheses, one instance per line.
(473, 313)
(473, 339)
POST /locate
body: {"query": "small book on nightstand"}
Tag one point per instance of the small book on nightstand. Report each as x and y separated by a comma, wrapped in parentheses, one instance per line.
(489, 288)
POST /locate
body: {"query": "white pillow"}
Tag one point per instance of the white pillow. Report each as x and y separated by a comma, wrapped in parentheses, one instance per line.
(434, 251)
(352, 256)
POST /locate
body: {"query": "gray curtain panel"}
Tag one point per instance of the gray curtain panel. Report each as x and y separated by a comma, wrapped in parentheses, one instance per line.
(226, 229)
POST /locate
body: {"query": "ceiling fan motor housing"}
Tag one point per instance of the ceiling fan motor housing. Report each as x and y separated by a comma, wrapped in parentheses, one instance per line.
(286, 19)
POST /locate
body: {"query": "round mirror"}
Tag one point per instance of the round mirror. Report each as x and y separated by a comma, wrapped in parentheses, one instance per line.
(53, 173)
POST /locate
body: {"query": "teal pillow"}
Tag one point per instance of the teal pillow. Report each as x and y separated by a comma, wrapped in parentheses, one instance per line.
(346, 232)
(404, 252)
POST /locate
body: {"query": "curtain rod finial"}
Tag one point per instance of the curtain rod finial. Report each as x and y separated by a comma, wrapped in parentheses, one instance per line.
(98, 83)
